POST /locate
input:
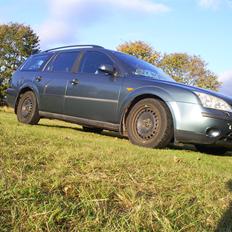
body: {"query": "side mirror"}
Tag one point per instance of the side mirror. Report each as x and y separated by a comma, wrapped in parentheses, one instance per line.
(107, 68)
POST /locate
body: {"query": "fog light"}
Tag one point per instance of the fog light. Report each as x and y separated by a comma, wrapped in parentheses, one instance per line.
(213, 132)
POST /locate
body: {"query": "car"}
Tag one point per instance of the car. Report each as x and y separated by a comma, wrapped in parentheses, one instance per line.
(104, 89)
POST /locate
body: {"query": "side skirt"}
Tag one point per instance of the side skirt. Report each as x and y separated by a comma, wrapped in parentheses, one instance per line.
(81, 121)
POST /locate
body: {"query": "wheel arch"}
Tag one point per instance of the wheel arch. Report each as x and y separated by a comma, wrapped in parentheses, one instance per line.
(23, 90)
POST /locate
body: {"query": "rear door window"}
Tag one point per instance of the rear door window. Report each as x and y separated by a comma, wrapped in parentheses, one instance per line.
(93, 60)
(35, 63)
(63, 62)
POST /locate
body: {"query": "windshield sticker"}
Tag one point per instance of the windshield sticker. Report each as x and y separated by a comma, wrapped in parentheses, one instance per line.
(147, 73)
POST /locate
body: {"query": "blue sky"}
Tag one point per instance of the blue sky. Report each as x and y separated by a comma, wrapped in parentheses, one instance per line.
(201, 27)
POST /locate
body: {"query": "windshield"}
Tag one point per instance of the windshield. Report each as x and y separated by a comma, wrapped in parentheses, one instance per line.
(143, 68)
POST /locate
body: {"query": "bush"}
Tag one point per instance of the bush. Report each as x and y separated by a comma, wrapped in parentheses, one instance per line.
(4, 83)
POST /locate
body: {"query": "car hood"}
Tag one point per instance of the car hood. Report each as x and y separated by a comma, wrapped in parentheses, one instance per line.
(211, 92)
(197, 89)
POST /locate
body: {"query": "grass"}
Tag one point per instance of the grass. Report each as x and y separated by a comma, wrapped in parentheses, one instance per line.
(55, 177)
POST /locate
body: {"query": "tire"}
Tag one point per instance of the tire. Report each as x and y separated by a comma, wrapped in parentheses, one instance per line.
(92, 129)
(149, 124)
(27, 109)
(211, 150)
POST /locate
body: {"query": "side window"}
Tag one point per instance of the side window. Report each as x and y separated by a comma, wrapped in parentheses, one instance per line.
(93, 60)
(63, 62)
(35, 63)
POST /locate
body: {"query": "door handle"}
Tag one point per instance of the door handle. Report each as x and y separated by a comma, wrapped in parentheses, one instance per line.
(74, 82)
(39, 78)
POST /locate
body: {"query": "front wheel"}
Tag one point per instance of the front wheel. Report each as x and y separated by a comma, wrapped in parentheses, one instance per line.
(211, 150)
(149, 124)
(27, 109)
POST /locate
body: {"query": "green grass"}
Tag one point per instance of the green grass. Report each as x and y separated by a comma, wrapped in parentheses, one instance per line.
(55, 177)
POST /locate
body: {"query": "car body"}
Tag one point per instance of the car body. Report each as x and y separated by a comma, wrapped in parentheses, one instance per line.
(97, 88)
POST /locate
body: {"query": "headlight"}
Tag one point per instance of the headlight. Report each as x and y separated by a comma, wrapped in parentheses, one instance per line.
(212, 102)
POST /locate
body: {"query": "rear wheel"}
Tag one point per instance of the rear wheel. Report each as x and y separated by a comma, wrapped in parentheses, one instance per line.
(92, 129)
(211, 150)
(27, 109)
(149, 124)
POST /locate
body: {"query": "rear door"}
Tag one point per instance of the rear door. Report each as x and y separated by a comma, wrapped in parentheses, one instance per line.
(31, 73)
(53, 81)
(95, 94)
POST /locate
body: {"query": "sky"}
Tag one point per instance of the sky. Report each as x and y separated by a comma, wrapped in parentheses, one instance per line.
(197, 27)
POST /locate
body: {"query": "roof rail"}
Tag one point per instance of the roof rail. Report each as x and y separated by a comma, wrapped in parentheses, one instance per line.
(74, 46)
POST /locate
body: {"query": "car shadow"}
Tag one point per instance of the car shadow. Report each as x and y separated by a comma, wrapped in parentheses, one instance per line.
(186, 147)
(59, 126)
(189, 147)
(225, 223)
(105, 132)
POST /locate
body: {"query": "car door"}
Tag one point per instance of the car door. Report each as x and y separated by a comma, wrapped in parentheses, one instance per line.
(95, 94)
(32, 74)
(53, 81)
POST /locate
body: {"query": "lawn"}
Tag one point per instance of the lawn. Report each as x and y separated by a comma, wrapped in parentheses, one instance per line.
(55, 177)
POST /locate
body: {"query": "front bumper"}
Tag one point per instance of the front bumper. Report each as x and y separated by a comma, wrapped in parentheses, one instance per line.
(193, 122)
(196, 138)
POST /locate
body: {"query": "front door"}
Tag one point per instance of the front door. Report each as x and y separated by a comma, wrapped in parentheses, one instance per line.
(94, 95)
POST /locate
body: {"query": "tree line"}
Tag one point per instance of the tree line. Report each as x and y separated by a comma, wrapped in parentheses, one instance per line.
(19, 41)
(182, 67)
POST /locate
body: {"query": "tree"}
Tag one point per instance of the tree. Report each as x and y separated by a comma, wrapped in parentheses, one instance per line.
(17, 42)
(141, 50)
(181, 67)
(190, 70)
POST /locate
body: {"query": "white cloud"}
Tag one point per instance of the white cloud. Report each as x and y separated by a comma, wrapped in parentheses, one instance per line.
(146, 6)
(67, 18)
(214, 4)
(229, 3)
(226, 79)
(210, 3)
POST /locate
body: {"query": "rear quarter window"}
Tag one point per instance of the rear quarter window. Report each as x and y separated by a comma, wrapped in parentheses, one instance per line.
(35, 63)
